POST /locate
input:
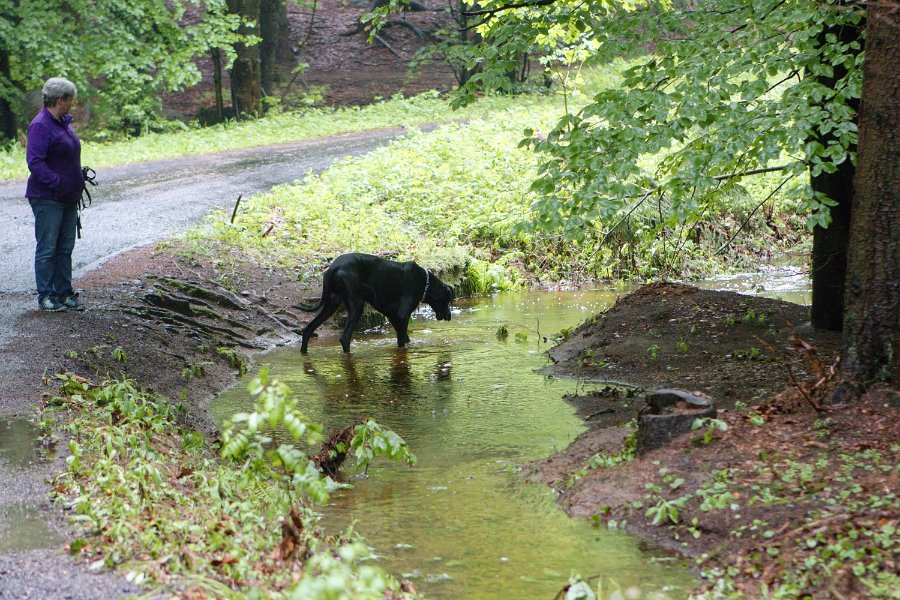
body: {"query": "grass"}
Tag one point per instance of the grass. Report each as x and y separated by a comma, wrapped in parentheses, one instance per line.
(458, 200)
(278, 128)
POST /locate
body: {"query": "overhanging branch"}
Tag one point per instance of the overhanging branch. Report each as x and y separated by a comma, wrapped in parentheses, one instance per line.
(505, 7)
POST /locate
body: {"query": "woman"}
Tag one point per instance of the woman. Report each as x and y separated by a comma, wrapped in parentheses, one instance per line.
(54, 190)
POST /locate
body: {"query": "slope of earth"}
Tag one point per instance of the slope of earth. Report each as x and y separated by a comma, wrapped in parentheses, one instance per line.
(784, 489)
(343, 67)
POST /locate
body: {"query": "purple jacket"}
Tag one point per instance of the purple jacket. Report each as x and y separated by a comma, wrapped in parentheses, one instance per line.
(53, 155)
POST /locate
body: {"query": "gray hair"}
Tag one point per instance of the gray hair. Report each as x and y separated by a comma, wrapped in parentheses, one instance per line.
(56, 88)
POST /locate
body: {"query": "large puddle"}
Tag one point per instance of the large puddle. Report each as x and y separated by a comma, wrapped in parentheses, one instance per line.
(462, 524)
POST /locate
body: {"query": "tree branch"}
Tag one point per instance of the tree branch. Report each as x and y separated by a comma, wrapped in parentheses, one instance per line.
(751, 172)
(753, 212)
(505, 7)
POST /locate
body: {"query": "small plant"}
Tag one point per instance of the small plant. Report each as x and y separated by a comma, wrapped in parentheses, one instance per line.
(118, 355)
(664, 509)
(71, 354)
(371, 440)
(233, 358)
(755, 419)
(502, 332)
(752, 354)
(682, 346)
(521, 336)
(712, 425)
(822, 427)
(653, 351)
(194, 370)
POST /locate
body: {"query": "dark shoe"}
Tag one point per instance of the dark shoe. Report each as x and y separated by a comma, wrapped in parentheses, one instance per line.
(51, 304)
(72, 302)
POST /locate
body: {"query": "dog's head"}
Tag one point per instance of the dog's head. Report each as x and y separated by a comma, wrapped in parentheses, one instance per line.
(439, 297)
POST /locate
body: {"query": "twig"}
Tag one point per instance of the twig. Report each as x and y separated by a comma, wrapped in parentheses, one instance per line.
(753, 212)
(386, 45)
(790, 373)
(236, 204)
(751, 172)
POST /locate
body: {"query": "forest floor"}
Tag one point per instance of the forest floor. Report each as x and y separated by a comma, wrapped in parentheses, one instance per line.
(344, 69)
(772, 499)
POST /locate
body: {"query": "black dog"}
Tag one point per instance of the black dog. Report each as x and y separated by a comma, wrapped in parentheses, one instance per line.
(393, 288)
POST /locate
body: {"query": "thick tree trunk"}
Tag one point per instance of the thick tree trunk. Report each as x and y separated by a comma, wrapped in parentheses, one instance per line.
(872, 311)
(7, 115)
(273, 28)
(246, 92)
(216, 55)
(829, 253)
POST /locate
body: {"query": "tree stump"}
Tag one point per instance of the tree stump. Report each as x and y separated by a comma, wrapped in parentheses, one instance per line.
(669, 413)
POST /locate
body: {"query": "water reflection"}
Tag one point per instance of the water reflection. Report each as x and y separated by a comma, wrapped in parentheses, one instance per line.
(20, 444)
(25, 527)
(791, 284)
(462, 524)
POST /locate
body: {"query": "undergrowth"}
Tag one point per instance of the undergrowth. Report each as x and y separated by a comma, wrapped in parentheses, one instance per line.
(155, 500)
(458, 200)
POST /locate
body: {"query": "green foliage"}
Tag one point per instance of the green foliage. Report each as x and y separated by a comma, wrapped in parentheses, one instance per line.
(309, 123)
(194, 370)
(732, 87)
(711, 425)
(234, 359)
(487, 278)
(150, 495)
(250, 438)
(665, 509)
(120, 54)
(119, 355)
(602, 460)
(371, 439)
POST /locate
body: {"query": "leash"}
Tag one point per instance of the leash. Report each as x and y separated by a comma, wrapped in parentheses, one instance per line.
(90, 177)
(427, 283)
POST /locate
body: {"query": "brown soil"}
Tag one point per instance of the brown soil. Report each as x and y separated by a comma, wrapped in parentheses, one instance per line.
(785, 381)
(345, 69)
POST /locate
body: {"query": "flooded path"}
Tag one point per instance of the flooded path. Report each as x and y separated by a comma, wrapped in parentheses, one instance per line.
(463, 524)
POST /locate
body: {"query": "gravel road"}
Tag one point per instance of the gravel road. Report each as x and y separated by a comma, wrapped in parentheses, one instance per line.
(133, 206)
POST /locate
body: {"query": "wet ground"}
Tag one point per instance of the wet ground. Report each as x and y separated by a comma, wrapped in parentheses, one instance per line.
(134, 206)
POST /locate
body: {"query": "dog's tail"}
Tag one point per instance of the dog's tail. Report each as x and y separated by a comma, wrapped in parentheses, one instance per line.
(310, 308)
(326, 293)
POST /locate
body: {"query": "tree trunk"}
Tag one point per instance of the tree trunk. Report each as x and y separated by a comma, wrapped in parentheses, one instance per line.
(7, 116)
(217, 84)
(245, 72)
(466, 36)
(872, 311)
(273, 28)
(829, 253)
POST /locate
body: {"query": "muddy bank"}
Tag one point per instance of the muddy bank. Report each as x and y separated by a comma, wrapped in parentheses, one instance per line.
(177, 325)
(767, 500)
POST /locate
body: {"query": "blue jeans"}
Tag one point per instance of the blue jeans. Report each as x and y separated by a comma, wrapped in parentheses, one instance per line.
(54, 232)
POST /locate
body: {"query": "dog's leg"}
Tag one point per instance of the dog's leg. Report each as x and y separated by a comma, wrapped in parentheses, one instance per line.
(323, 315)
(401, 326)
(354, 312)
